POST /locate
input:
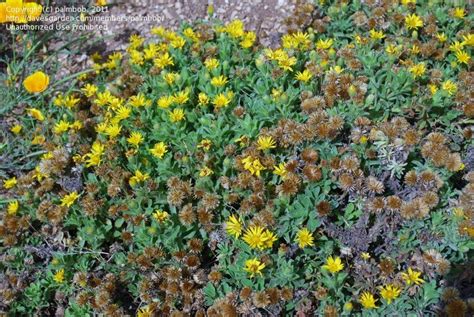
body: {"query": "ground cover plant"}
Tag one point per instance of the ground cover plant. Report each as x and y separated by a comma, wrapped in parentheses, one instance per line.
(198, 173)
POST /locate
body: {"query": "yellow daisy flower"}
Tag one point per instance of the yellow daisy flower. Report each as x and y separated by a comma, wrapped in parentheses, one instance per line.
(304, 238)
(159, 150)
(413, 22)
(234, 226)
(367, 300)
(412, 277)
(254, 267)
(265, 143)
(333, 265)
(390, 292)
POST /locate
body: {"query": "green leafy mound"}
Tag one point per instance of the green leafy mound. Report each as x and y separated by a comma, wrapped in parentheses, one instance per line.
(199, 173)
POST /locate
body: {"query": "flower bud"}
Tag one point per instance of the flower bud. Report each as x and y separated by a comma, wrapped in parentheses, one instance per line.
(210, 9)
(352, 90)
(348, 306)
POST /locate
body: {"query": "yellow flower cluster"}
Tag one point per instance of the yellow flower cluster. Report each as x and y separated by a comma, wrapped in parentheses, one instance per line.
(94, 158)
(222, 100)
(297, 40)
(258, 238)
(253, 165)
(255, 236)
(236, 30)
(282, 58)
(160, 216)
(390, 292)
(137, 178)
(9, 183)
